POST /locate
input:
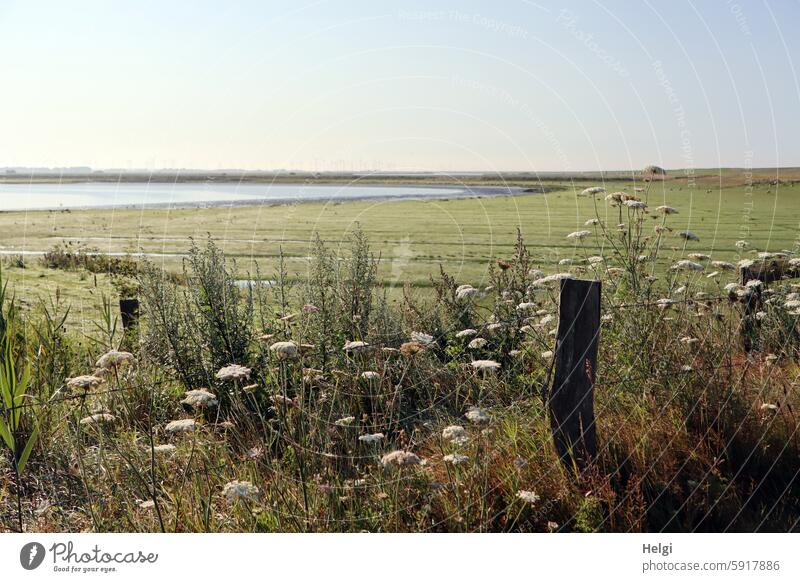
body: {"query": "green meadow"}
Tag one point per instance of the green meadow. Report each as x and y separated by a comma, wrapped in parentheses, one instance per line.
(413, 239)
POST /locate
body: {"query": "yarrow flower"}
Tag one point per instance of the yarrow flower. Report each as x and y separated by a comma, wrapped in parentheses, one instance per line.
(233, 372)
(165, 448)
(467, 333)
(370, 376)
(240, 491)
(400, 459)
(371, 439)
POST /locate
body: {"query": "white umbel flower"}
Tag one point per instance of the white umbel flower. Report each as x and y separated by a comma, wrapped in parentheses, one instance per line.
(114, 359)
(455, 434)
(233, 372)
(477, 415)
(284, 350)
(579, 234)
(528, 496)
(201, 398)
(485, 365)
(400, 459)
(179, 426)
(240, 491)
(465, 291)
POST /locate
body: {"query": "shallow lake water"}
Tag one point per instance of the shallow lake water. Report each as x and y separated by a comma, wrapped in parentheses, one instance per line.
(101, 195)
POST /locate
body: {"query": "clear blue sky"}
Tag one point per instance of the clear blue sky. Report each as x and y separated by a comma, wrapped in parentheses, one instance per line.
(447, 85)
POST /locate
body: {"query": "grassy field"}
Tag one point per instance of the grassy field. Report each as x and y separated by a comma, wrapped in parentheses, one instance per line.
(412, 238)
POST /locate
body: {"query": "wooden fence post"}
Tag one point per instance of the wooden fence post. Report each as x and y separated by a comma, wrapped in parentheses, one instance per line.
(129, 310)
(571, 399)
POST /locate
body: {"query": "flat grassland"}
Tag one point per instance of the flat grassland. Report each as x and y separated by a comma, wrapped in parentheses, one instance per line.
(413, 238)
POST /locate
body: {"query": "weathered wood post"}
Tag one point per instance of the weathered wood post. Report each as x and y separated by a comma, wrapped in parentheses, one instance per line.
(129, 310)
(571, 399)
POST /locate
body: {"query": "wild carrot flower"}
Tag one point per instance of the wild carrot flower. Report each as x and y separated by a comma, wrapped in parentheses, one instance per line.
(240, 491)
(666, 210)
(345, 421)
(687, 265)
(284, 350)
(178, 426)
(635, 204)
(356, 346)
(114, 359)
(592, 190)
(233, 372)
(163, 449)
(422, 338)
(465, 291)
(552, 279)
(410, 349)
(455, 434)
(579, 234)
(724, 265)
(370, 376)
(467, 333)
(477, 415)
(201, 398)
(84, 383)
(485, 365)
(99, 418)
(455, 459)
(592, 222)
(400, 459)
(528, 496)
(371, 439)
(477, 343)
(526, 306)
(310, 308)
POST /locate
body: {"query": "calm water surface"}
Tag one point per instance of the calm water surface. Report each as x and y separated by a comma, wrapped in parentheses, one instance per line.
(100, 195)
